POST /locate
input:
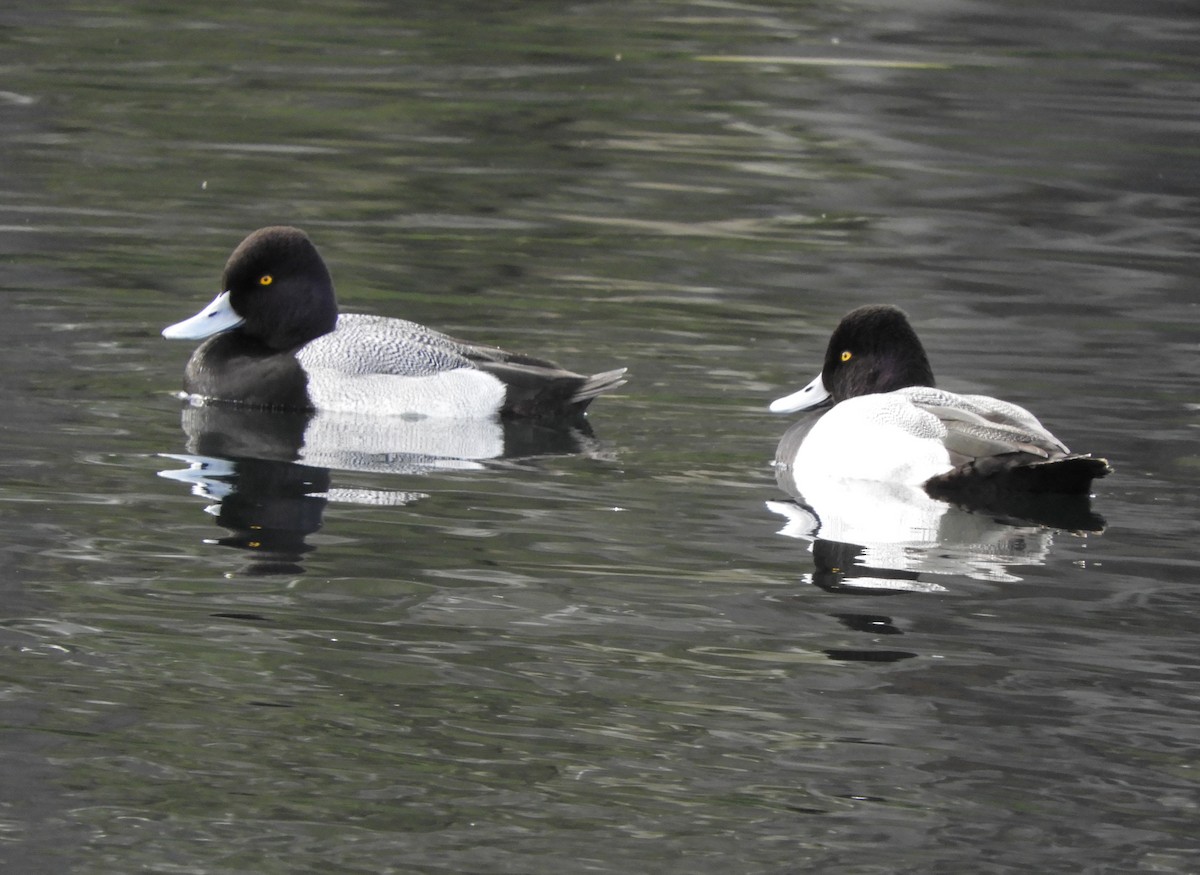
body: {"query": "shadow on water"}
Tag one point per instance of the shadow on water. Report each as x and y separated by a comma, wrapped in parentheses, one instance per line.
(269, 474)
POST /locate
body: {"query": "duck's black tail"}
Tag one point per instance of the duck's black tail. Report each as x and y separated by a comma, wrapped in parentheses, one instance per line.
(1021, 472)
(596, 384)
(546, 391)
(1049, 491)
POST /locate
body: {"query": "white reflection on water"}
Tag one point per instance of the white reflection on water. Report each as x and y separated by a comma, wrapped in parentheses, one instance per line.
(870, 535)
(344, 441)
(269, 475)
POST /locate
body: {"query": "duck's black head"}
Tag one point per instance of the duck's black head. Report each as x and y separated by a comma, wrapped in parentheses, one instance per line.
(278, 283)
(874, 349)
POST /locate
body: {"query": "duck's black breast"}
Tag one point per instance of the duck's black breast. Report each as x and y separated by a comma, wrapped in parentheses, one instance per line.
(235, 368)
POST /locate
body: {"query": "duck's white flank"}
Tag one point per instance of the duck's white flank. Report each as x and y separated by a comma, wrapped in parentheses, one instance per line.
(463, 393)
(876, 437)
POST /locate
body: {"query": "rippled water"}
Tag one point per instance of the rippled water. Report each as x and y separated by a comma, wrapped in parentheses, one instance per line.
(615, 651)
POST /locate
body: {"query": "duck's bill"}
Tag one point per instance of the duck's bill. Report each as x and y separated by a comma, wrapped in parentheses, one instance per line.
(813, 395)
(216, 317)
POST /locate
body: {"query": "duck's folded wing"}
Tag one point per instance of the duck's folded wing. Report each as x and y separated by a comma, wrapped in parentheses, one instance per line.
(976, 430)
(987, 426)
(397, 346)
(973, 438)
(371, 345)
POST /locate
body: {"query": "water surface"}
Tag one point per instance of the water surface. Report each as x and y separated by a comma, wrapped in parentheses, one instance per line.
(596, 652)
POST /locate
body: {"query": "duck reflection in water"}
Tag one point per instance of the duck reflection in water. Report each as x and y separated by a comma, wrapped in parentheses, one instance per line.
(886, 538)
(891, 477)
(270, 474)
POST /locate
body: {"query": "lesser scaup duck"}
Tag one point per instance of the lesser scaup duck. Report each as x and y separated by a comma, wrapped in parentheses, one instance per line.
(889, 423)
(275, 339)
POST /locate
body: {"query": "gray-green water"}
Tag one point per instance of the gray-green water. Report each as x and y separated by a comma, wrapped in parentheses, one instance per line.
(595, 655)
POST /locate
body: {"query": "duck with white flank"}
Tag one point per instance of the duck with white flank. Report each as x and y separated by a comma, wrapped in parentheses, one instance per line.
(275, 340)
(888, 423)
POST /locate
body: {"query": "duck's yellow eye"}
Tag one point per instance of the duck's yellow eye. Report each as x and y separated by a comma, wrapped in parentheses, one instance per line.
(266, 279)
(847, 355)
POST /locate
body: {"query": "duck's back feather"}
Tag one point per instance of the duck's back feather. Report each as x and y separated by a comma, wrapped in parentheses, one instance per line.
(366, 345)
